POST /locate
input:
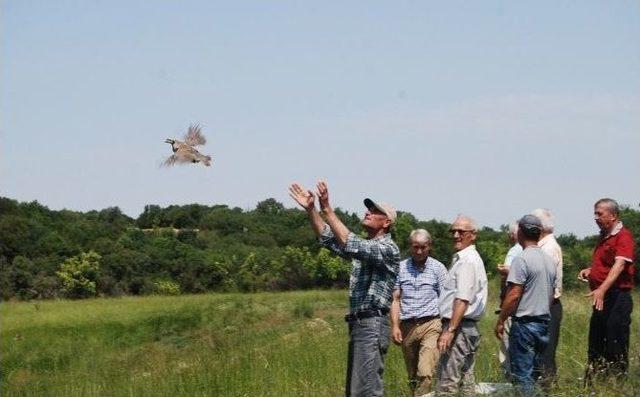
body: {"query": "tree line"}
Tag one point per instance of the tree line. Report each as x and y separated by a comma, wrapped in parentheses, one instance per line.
(197, 248)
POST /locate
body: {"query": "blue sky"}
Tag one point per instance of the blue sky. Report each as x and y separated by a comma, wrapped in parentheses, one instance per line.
(490, 108)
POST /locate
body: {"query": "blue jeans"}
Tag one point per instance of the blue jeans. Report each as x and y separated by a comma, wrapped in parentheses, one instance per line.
(368, 343)
(527, 342)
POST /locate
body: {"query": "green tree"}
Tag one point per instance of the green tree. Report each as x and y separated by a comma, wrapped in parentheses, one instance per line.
(79, 274)
(21, 277)
(298, 268)
(492, 253)
(405, 223)
(151, 217)
(269, 206)
(331, 270)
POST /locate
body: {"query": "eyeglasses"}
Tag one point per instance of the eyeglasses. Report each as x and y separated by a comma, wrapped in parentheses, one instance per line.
(459, 231)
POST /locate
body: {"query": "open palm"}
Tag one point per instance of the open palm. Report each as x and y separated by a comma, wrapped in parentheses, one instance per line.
(304, 197)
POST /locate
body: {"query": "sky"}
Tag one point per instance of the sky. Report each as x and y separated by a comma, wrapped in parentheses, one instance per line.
(488, 108)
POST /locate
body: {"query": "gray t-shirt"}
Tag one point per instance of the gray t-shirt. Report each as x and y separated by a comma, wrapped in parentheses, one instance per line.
(536, 272)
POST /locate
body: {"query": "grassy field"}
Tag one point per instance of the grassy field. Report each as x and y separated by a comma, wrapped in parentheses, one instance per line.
(266, 344)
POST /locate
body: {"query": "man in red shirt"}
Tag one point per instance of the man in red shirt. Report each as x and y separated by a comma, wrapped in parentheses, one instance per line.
(610, 279)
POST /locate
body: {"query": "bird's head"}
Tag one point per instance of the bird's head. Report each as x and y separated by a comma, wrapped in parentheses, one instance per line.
(171, 141)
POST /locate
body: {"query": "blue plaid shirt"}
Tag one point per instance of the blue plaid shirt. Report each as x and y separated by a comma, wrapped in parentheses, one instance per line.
(420, 288)
(374, 268)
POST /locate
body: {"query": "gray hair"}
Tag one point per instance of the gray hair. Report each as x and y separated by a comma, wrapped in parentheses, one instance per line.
(546, 218)
(611, 204)
(420, 235)
(513, 229)
(468, 219)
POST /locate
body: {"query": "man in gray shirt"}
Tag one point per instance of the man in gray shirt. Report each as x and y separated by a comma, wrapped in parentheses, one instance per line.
(530, 291)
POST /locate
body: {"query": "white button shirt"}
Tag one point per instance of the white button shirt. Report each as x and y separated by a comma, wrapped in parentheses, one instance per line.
(550, 246)
(466, 280)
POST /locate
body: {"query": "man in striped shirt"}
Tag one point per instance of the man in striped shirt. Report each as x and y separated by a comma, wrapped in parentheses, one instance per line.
(415, 322)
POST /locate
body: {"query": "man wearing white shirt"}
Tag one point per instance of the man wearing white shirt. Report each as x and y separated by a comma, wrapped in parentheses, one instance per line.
(462, 303)
(550, 246)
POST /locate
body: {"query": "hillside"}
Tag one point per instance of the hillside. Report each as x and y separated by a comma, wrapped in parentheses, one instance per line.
(196, 248)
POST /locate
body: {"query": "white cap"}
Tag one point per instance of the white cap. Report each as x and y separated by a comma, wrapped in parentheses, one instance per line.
(385, 208)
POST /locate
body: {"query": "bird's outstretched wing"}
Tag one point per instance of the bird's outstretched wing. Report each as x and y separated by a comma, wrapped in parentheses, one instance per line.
(194, 136)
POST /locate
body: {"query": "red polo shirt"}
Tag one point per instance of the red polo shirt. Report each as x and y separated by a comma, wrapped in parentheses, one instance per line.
(618, 244)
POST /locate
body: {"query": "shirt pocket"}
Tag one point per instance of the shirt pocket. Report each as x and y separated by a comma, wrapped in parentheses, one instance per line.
(450, 282)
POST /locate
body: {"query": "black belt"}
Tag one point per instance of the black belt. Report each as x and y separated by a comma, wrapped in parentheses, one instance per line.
(365, 314)
(417, 320)
(531, 319)
(464, 320)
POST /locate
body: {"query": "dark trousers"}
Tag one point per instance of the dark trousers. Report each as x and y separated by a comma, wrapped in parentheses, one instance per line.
(609, 335)
(368, 343)
(549, 367)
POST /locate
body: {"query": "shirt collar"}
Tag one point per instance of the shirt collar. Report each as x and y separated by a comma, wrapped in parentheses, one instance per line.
(385, 236)
(426, 263)
(464, 251)
(546, 239)
(615, 230)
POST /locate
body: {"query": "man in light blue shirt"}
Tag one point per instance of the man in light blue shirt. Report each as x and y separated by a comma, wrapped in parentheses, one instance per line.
(415, 318)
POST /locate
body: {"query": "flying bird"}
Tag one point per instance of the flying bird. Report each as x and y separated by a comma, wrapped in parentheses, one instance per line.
(184, 151)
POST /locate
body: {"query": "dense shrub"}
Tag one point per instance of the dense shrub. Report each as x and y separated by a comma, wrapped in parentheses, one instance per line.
(196, 248)
(79, 274)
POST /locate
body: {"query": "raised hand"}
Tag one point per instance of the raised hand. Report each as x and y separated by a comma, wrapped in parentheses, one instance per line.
(303, 197)
(323, 195)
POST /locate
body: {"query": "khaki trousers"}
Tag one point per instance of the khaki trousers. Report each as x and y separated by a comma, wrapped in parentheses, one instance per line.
(420, 350)
(503, 350)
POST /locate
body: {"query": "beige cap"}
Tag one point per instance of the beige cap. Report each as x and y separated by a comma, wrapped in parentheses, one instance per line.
(385, 208)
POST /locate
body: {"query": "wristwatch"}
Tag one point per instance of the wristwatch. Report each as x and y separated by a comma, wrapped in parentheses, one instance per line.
(451, 329)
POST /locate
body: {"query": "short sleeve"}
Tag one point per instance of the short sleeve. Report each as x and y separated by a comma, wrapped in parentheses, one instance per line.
(625, 247)
(441, 273)
(518, 271)
(466, 281)
(397, 283)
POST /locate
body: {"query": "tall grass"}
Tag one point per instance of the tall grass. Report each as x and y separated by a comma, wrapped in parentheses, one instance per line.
(265, 344)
